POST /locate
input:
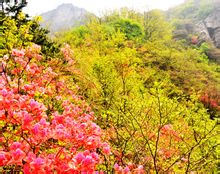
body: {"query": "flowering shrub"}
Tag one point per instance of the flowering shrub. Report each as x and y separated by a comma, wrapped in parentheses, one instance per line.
(45, 127)
(128, 169)
(208, 101)
(211, 101)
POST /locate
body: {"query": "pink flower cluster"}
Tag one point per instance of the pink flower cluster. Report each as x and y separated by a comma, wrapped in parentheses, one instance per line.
(168, 131)
(43, 138)
(67, 53)
(129, 169)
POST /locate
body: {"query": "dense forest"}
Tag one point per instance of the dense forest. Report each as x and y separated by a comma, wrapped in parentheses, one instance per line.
(122, 93)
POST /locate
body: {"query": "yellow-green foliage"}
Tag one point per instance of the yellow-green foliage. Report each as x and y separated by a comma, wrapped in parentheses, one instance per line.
(19, 32)
(137, 87)
(13, 36)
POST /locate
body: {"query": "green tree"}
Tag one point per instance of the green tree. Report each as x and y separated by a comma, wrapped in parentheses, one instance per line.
(21, 32)
(156, 27)
(131, 29)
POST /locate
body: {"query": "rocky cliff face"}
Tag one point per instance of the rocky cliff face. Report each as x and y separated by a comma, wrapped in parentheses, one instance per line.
(212, 25)
(199, 18)
(195, 21)
(63, 17)
(209, 30)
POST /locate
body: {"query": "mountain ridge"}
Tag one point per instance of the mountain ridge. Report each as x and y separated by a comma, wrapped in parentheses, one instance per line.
(64, 17)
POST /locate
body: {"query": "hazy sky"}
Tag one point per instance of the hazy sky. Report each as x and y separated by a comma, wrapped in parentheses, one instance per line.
(35, 7)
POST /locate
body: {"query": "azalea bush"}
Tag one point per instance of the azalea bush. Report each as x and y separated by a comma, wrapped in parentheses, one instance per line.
(211, 100)
(45, 127)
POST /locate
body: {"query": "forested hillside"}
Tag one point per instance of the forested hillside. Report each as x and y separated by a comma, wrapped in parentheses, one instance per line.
(120, 94)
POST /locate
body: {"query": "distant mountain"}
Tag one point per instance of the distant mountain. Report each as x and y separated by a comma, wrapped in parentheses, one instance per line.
(63, 17)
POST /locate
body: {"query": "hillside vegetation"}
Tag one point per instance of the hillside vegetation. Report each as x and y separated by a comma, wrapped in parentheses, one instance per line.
(140, 81)
(119, 95)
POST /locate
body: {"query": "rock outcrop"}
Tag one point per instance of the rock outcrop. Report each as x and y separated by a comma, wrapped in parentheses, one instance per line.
(212, 24)
(199, 19)
(209, 30)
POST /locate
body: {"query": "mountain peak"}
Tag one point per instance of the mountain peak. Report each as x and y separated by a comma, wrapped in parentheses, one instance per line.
(63, 17)
(67, 6)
